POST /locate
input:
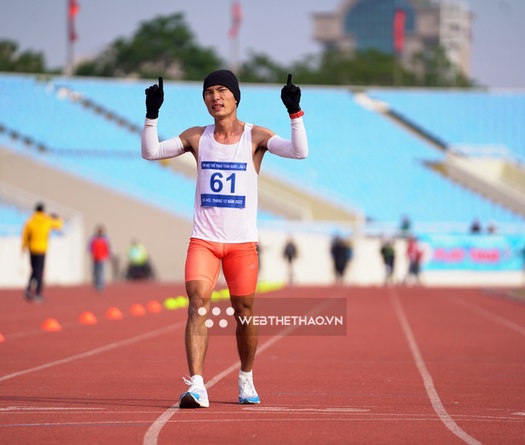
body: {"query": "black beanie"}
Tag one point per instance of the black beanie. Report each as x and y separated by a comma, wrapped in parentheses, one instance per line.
(225, 78)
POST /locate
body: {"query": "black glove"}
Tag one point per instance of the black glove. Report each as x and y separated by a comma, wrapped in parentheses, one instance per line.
(291, 95)
(154, 99)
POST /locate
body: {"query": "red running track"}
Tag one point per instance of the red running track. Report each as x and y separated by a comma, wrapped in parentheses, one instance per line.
(417, 365)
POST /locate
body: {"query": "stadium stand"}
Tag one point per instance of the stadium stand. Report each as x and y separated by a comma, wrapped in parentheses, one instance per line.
(359, 173)
(71, 138)
(465, 118)
(12, 219)
(478, 131)
(357, 158)
(361, 165)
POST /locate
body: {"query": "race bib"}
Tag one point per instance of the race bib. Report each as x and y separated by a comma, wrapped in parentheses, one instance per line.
(222, 184)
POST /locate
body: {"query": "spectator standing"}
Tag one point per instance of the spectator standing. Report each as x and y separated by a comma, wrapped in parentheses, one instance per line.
(341, 255)
(100, 251)
(405, 226)
(414, 255)
(388, 254)
(492, 228)
(138, 261)
(290, 254)
(35, 239)
(523, 261)
(475, 227)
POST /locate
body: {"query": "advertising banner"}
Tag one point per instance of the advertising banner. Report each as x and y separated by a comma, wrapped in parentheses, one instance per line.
(490, 252)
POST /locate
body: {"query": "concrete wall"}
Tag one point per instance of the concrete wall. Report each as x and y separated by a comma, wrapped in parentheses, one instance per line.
(166, 237)
(313, 265)
(64, 264)
(164, 234)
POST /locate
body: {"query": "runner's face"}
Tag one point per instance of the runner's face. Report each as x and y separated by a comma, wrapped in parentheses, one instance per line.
(219, 100)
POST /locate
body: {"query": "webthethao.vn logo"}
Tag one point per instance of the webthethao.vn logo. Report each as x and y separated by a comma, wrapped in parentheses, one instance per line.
(275, 316)
(292, 320)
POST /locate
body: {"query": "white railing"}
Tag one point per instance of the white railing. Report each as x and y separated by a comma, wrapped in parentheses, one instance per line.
(485, 151)
(383, 228)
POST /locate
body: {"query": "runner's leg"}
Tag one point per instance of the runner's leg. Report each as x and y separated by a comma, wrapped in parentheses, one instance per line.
(240, 266)
(202, 272)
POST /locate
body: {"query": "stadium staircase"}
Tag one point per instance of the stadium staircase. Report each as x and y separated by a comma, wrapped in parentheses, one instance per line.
(491, 172)
(500, 180)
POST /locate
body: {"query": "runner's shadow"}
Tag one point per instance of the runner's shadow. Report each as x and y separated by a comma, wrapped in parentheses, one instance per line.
(224, 402)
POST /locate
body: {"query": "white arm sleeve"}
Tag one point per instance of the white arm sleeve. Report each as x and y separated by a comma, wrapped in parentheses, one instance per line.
(297, 148)
(153, 149)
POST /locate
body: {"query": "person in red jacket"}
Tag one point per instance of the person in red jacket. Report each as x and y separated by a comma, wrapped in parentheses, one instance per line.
(414, 255)
(100, 253)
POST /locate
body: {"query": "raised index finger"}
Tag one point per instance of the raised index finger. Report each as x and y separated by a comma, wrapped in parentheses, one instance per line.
(289, 81)
(161, 83)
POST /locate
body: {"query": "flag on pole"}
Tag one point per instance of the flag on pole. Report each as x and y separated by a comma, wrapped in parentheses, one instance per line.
(73, 9)
(399, 30)
(236, 11)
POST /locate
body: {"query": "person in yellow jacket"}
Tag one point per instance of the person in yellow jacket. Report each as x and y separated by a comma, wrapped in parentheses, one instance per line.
(35, 238)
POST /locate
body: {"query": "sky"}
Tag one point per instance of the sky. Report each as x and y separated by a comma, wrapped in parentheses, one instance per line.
(282, 29)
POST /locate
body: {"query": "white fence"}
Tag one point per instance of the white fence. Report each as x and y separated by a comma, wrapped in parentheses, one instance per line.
(65, 262)
(66, 254)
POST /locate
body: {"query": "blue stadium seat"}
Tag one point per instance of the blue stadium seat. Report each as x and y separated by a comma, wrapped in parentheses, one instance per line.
(357, 158)
(12, 219)
(475, 118)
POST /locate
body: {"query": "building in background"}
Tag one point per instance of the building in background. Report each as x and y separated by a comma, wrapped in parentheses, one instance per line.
(403, 27)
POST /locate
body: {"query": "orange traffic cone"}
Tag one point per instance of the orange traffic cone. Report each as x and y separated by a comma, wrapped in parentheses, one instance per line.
(137, 309)
(51, 325)
(2, 339)
(88, 318)
(154, 306)
(114, 313)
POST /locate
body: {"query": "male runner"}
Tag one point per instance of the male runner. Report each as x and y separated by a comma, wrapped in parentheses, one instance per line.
(229, 155)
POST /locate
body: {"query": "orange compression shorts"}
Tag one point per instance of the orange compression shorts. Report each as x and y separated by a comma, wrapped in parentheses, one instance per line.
(240, 264)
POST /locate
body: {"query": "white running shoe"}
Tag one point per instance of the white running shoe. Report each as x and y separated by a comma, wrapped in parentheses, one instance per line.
(247, 393)
(196, 396)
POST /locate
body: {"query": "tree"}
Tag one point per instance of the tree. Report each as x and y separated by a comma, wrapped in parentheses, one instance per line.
(332, 67)
(25, 62)
(166, 46)
(370, 67)
(259, 68)
(433, 68)
(163, 46)
(363, 68)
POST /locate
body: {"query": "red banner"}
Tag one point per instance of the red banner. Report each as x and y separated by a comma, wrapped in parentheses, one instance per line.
(72, 13)
(236, 20)
(399, 30)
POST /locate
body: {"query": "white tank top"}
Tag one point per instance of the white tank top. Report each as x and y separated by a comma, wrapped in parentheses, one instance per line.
(225, 208)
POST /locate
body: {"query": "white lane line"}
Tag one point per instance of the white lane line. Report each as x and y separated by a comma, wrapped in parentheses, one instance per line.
(264, 417)
(283, 409)
(152, 435)
(432, 393)
(46, 408)
(95, 351)
(489, 315)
